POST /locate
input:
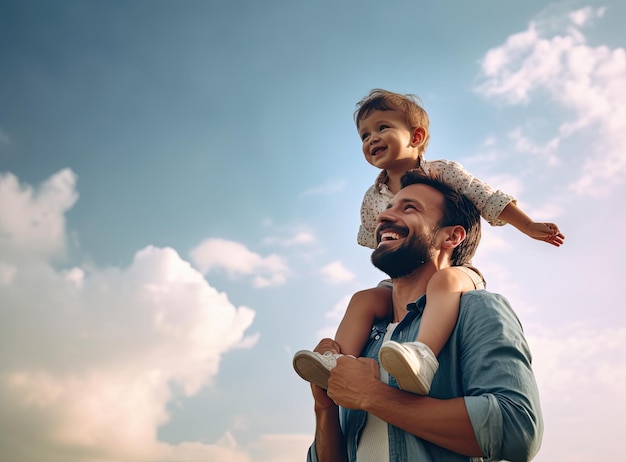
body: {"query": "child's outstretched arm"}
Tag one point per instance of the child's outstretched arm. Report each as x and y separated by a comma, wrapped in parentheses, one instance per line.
(547, 232)
(490, 202)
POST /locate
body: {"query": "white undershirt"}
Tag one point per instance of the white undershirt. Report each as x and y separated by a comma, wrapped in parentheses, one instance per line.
(373, 445)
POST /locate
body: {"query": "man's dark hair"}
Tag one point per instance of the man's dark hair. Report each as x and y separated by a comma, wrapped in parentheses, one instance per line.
(457, 210)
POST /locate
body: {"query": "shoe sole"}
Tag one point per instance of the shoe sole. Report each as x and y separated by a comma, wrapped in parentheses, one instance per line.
(310, 369)
(392, 358)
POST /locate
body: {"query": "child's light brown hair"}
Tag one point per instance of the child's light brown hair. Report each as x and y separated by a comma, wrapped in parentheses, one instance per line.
(410, 105)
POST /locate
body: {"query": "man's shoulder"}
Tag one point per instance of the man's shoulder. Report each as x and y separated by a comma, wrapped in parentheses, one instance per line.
(482, 303)
(482, 296)
(488, 313)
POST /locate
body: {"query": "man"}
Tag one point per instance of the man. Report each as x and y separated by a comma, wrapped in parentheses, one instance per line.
(483, 402)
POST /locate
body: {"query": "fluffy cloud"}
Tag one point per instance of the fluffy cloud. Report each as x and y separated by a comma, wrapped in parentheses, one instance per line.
(237, 260)
(88, 358)
(588, 82)
(32, 221)
(267, 448)
(336, 273)
(330, 187)
(581, 373)
(298, 238)
(4, 137)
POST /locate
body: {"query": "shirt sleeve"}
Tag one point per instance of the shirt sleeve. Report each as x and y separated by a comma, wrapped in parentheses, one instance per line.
(489, 203)
(311, 456)
(501, 394)
(370, 208)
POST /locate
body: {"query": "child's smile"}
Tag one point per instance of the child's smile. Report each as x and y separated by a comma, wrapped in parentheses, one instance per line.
(387, 141)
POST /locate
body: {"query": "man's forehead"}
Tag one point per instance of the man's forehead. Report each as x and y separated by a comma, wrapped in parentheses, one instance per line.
(421, 193)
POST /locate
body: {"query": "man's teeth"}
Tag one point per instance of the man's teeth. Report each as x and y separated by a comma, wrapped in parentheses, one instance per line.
(389, 236)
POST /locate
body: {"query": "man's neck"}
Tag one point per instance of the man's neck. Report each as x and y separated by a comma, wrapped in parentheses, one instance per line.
(409, 288)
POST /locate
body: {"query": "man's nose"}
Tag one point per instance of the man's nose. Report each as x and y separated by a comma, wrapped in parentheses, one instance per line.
(387, 216)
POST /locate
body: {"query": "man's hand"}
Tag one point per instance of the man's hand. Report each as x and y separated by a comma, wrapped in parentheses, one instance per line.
(322, 401)
(352, 381)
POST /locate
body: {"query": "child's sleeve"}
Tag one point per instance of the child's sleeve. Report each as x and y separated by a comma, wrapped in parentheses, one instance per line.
(489, 203)
(373, 203)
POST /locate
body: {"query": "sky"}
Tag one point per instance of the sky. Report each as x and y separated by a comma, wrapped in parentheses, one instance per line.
(180, 185)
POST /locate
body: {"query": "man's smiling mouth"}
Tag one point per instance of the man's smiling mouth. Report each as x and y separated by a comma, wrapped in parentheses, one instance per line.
(391, 233)
(389, 236)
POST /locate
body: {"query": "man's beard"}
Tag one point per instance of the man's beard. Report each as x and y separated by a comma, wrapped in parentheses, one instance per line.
(402, 261)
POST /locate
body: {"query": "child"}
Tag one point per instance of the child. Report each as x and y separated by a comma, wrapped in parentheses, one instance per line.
(394, 132)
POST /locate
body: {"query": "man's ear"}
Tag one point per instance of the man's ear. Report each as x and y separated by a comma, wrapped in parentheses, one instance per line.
(419, 134)
(454, 236)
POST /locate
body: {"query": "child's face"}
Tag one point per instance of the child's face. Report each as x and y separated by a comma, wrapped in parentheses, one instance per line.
(388, 142)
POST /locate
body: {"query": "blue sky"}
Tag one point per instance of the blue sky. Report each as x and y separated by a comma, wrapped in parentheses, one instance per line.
(179, 193)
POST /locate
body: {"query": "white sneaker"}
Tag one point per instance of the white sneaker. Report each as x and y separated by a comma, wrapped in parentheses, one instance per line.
(413, 364)
(315, 367)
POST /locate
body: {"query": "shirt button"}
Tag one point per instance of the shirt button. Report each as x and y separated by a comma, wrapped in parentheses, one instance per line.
(377, 337)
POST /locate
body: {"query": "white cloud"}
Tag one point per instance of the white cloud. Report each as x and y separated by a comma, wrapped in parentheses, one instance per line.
(492, 241)
(88, 357)
(334, 316)
(581, 373)
(237, 260)
(584, 15)
(299, 238)
(505, 182)
(336, 273)
(267, 448)
(280, 448)
(7, 273)
(338, 310)
(489, 141)
(327, 188)
(4, 137)
(588, 82)
(32, 221)
(526, 145)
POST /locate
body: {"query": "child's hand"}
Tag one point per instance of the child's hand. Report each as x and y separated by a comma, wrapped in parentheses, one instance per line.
(327, 344)
(548, 232)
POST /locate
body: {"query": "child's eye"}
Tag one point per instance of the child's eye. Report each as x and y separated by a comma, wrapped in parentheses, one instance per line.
(382, 127)
(364, 136)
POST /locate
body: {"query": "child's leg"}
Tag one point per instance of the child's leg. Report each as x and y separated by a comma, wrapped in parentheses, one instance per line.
(414, 364)
(443, 296)
(364, 308)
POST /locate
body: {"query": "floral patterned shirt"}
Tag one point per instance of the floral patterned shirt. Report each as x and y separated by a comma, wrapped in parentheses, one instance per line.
(489, 203)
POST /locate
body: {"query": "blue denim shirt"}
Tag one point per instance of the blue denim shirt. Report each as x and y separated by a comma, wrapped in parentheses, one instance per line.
(487, 361)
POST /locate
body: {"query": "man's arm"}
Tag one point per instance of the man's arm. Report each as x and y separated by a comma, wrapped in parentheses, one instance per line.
(330, 444)
(501, 392)
(354, 384)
